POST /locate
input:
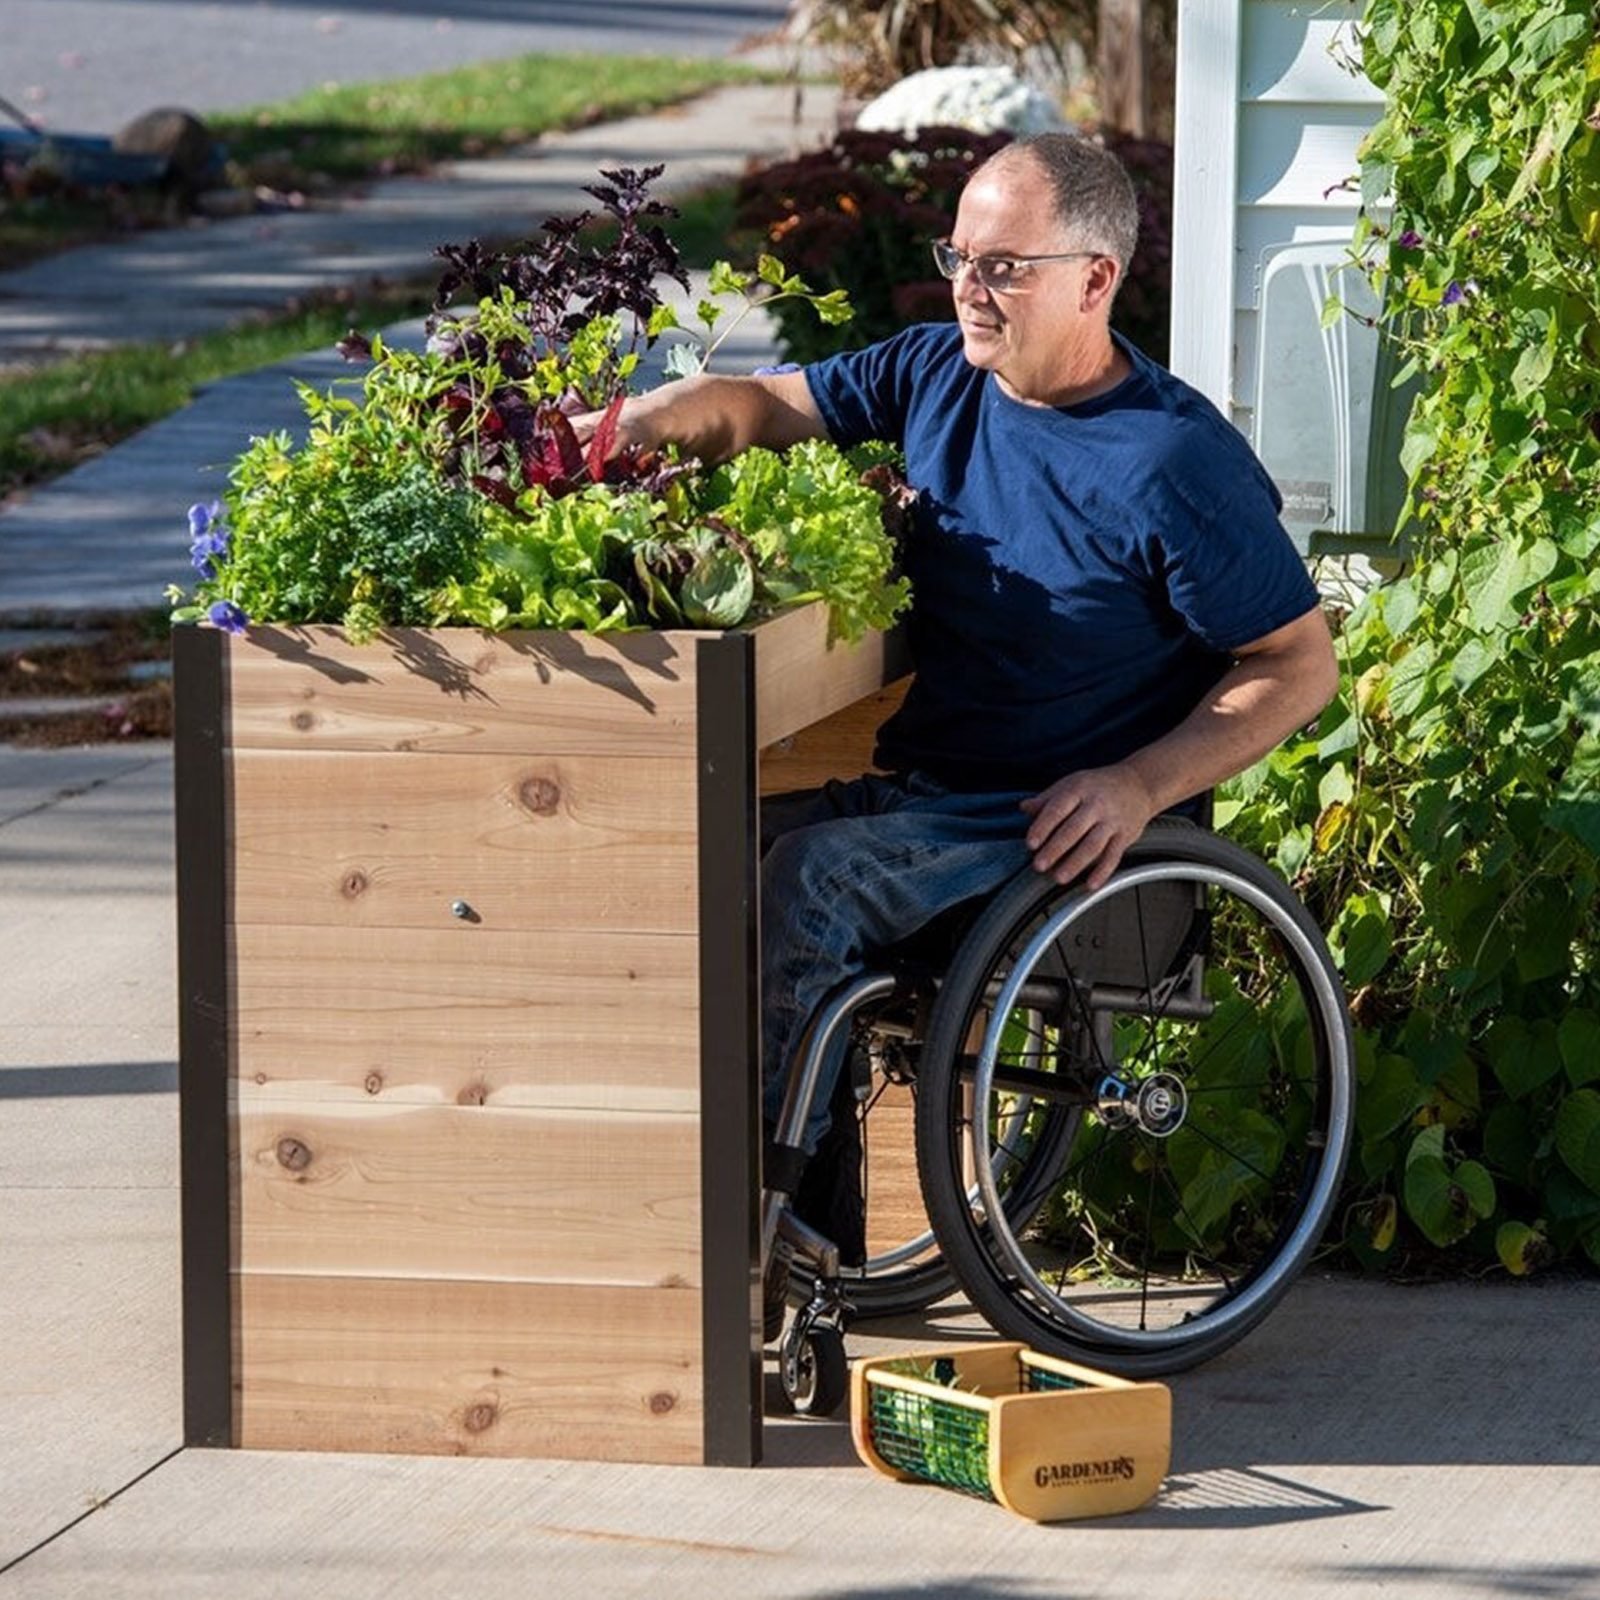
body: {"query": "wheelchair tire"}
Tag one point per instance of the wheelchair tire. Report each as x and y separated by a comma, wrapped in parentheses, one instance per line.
(1210, 1119)
(815, 1372)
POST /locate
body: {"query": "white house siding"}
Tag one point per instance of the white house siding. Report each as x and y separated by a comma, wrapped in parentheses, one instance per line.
(1268, 123)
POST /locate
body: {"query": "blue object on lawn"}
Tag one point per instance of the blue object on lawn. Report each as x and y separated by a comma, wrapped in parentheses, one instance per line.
(88, 161)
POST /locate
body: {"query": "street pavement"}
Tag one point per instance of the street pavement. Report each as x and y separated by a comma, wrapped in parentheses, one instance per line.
(89, 66)
(1430, 1441)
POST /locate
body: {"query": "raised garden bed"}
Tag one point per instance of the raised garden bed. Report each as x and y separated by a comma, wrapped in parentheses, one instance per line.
(469, 1034)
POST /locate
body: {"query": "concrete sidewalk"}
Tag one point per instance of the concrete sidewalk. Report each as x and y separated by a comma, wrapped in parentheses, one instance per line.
(1424, 1442)
(1428, 1442)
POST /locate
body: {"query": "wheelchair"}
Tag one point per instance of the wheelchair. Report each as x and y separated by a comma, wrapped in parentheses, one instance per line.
(1133, 1107)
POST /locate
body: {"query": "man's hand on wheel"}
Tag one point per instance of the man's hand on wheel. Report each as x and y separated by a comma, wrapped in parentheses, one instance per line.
(1082, 825)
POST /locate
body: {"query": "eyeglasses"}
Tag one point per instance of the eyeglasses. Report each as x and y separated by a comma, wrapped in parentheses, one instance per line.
(997, 274)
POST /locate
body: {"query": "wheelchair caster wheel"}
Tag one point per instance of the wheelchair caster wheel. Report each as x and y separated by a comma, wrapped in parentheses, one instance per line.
(815, 1373)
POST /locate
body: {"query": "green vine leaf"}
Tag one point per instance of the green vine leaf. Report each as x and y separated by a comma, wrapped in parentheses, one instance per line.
(1579, 1037)
(1578, 1136)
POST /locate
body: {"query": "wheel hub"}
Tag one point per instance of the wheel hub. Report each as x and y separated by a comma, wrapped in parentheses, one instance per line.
(1161, 1105)
(1156, 1105)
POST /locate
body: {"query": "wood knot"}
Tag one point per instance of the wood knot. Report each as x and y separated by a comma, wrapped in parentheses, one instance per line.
(353, 883)
(304, 720)
(480, 1417)
(373, 1082)
(661, 1402)
(541, 796)
(293, 1154)
(474, 1094)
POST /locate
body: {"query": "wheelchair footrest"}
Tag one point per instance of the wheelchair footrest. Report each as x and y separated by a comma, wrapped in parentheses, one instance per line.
(1047, 1439)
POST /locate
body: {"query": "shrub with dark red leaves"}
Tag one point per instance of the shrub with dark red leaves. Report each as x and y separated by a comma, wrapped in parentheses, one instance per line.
(862, 214)
(1143, 309)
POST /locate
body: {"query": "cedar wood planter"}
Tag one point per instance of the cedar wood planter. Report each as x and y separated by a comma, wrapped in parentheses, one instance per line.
(469, 1028)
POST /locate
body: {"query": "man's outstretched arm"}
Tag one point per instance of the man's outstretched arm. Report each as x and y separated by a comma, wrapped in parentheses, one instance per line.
(1278, 683)
(715, 417)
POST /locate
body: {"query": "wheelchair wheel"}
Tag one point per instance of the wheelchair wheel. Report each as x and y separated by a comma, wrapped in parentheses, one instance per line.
(1185, 1032)
(815, 1372)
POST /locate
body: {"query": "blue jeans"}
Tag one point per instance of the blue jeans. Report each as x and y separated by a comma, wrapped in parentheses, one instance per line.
(854, 867)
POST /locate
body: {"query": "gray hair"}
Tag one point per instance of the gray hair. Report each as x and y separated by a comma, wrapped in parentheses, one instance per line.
(1094, 196)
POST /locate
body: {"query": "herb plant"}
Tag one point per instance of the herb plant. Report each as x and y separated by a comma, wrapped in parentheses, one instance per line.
(456, 490)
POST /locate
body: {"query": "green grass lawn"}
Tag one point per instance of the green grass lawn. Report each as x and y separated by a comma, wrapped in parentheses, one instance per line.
(348, 133)
(334, 138)
(58, 416)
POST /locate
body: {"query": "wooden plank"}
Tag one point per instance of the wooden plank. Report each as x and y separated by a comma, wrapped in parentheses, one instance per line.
(456, 689)
(895, 1212)
(1080, 1452)
(540, 845)
(200, 814)
(840, 746)
(801, 678)
(417, 1017)
(486, 1369)
(469, 1192)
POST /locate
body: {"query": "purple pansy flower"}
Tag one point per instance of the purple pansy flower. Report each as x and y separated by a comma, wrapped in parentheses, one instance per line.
(208, 538)
(201, 552)
(201, 517)
(227, 616)
(1410, 240)
(1454, 295)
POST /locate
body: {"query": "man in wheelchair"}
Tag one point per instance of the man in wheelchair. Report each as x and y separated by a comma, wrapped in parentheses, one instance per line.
(1107, 617)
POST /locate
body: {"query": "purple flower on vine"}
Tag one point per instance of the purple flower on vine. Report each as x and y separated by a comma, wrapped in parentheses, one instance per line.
(227, 616)
(1410, 240)
(1454, 295)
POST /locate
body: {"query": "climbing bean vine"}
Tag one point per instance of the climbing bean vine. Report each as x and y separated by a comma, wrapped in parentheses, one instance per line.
(1443, 817)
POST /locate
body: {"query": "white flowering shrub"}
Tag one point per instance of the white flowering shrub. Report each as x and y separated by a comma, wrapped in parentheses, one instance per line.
(982, 99)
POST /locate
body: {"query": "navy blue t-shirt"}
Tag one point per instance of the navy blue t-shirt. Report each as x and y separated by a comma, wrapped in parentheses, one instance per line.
(1079, 573)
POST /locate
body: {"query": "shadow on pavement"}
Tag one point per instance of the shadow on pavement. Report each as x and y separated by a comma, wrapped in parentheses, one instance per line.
(51, 1083)
(1348, 1371)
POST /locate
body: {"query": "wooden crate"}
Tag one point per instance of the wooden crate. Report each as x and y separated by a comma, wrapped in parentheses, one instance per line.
(469, 1029)
(1048, 1439)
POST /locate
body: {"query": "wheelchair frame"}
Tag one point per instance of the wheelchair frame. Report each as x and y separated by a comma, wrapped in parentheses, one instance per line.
(1192, 867)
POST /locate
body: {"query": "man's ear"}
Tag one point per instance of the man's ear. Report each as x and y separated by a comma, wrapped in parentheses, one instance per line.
(1099, 283)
